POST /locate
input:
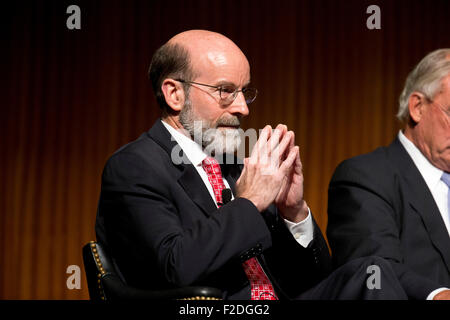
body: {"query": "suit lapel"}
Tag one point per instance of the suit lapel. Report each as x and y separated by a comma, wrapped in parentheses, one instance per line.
(189, 178)
(231, 173)
(421, 199)
(193, 185)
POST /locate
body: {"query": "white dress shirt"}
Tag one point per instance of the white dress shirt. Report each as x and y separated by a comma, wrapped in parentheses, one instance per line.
(302, 231)
(432, 177)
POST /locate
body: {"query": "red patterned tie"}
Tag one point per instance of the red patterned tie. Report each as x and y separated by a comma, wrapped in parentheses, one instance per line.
(212, 169)
(260, 285)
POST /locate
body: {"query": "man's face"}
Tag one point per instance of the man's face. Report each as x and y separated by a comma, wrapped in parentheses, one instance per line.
(434, 128)
(204, 114)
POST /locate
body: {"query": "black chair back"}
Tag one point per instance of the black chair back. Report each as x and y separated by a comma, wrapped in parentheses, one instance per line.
(99, 269)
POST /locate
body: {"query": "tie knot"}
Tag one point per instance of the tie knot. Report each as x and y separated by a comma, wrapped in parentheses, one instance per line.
(446, 178)
(211, 165)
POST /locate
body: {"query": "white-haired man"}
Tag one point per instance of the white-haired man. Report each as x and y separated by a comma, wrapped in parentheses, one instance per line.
(394, 202)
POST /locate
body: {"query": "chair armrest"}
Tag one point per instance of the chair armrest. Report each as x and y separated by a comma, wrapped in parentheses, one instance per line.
(115, 289)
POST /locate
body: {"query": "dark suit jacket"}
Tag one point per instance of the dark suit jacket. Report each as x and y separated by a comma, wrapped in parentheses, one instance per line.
(379, 204)
(164, 230)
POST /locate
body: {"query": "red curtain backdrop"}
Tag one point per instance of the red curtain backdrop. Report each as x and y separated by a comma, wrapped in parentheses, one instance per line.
(70, 98)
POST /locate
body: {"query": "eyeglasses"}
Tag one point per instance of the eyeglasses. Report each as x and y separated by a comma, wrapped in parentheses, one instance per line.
(228, 93)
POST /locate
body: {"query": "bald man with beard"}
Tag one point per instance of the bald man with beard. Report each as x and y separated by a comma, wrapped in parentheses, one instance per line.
(162, 208)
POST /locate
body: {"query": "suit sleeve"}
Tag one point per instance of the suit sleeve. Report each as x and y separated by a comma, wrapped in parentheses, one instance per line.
(296, 268)
(363, 221)
(139, 212)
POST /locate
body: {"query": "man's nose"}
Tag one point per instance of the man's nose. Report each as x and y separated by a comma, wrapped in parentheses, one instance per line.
(239, 105)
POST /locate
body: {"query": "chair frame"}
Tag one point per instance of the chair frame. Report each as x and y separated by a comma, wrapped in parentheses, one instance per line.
(104, 282)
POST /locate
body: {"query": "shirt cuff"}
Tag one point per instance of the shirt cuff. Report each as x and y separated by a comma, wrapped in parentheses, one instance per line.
(302, 231)
(435, 292)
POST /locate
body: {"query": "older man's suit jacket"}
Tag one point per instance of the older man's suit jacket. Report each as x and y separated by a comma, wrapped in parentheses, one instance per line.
(379, 204)
(160, 224)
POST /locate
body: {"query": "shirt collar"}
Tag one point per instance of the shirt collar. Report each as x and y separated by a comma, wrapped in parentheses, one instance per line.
(430, 173)
(191, 149)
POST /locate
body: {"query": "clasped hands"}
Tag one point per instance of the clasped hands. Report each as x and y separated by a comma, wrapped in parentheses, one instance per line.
(273, 174)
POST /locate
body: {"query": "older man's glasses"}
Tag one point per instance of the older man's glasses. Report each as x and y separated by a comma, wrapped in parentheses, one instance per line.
(228, 93)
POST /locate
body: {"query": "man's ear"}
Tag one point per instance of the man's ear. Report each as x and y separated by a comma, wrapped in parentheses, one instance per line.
(416, 105)
(173, 93)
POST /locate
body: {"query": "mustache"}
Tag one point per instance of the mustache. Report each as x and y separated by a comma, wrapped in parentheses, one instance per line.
(232, 122)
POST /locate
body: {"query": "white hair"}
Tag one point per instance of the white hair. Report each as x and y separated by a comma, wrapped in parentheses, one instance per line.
(425, 78)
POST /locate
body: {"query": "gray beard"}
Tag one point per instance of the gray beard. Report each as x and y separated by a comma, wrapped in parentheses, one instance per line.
(213, 140)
